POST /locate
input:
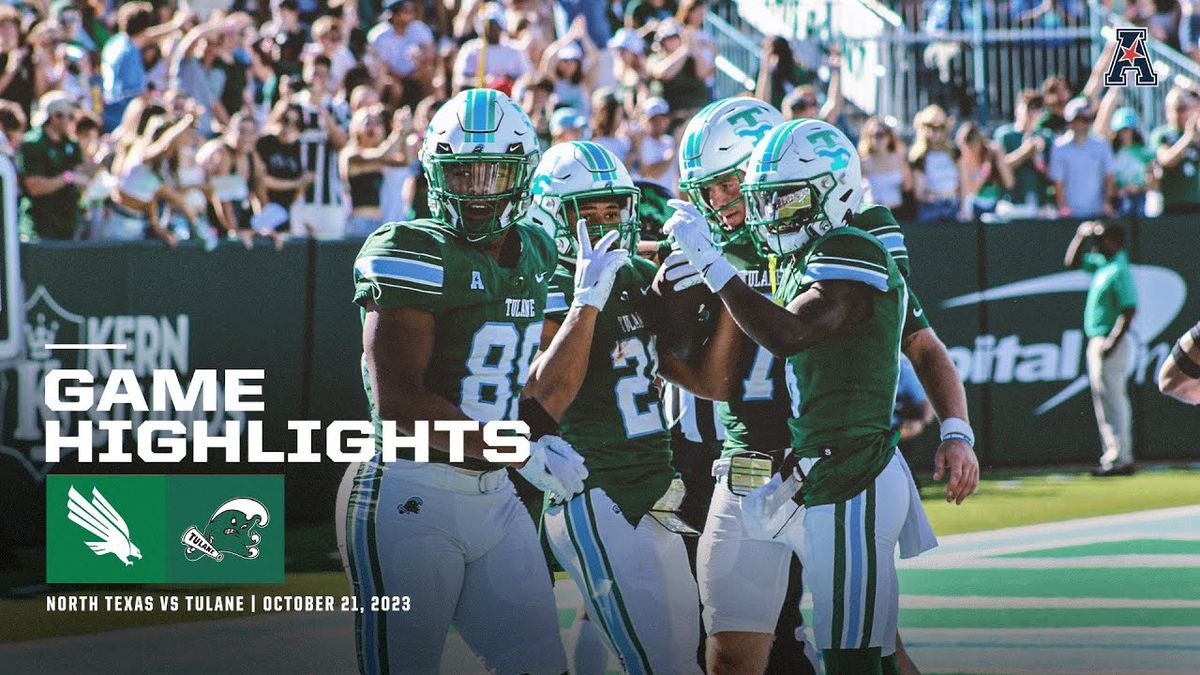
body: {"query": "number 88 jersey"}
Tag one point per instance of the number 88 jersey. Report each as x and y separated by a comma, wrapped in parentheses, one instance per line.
(616, 420)
(488, 317)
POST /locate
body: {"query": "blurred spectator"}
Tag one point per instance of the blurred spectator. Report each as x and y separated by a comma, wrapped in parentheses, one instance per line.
(570, 63)
(803, 102)
(81, 24)
(1176, 146)
(1026, 149)
(57, 66)
(656, 153)
(985, 175)
(284, 178)
(1081, 166)
(567, 124)
(363, 159)
(319, 210)
(691, 16)
(1160, 17)
(13, 125)
(405, 45)
(937, 175)
(488, 60)
(679, 68)
(329, 41)
(629, 67)
(608, 126)
(536, 98)
(416, 185)
(146, 180)
(639, 13)
(16, 64)
(225, 189)
(884, 166)
(1056, 91)
(241, 137)
(1189, 28)
(1133, 161)
(52, 168)
(1099, 249)
(198, 66)
(121, 62)
(778, 72)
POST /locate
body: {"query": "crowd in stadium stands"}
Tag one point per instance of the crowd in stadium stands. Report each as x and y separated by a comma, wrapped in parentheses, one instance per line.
(290, 118)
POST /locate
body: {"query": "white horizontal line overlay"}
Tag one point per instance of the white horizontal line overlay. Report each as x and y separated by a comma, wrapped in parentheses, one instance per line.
(88, 345)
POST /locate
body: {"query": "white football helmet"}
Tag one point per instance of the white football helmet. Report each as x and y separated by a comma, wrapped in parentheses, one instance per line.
(478, 154)
(716, 144)
(803, 180)
(571, 174)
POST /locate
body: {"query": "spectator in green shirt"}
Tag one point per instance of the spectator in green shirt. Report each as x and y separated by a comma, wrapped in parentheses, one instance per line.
(1099, 249)
(52, 168)
(1176, 146)
(1026, 152)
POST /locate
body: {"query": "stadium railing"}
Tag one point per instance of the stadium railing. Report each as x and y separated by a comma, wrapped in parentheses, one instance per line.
(737, 57)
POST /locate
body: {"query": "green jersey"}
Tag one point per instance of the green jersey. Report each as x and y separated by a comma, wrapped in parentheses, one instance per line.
(488, 316)
(616, 420)
(843, 389)
(755, 417)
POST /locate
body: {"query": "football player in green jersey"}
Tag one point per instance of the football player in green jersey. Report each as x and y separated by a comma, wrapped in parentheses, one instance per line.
(630, 566)
(742, 573)
(844, 302)
(452, 311)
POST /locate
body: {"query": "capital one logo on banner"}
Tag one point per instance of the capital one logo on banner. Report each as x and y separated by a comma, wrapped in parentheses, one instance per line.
(1007, 356)
(153, 342)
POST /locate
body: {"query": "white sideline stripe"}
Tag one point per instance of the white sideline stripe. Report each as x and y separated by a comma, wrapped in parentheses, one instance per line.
(974, 561)
(990, 602)
(87, 345)
(1081, 633)
(1071, 526)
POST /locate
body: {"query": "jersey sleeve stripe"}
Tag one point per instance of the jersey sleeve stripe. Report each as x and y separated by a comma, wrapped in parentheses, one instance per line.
(407, 287)
(826, 272)
(556, 303)
(413, 271)
(819, 258)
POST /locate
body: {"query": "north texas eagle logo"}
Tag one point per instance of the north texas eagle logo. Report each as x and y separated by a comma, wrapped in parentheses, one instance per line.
(232, 529)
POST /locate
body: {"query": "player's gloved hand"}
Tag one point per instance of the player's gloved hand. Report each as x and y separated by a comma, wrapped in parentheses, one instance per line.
(694, 239)
(764, 502)
(596, 268)
(680, 272)
(554, 467)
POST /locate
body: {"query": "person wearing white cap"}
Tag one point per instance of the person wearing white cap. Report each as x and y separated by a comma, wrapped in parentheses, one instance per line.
(488, 61)
(567, 124)
(656, 155)
(1081, 166)
(680, 68)
(570, 63)
(629, 65)
(47, 165)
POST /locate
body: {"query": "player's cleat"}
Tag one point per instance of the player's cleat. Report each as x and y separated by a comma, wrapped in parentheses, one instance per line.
(1119, 470)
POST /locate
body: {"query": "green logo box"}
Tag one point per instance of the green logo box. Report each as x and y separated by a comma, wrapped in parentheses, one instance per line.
(126, 529)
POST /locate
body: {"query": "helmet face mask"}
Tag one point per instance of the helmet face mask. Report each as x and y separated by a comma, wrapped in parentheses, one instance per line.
(702, 194)
(795, 209)
(478, 156)
(604, 211)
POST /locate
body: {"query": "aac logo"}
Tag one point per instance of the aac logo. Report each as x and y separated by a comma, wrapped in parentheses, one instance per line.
(1131, 55)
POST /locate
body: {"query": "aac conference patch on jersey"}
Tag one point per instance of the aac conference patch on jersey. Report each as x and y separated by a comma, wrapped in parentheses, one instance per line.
(124, 529)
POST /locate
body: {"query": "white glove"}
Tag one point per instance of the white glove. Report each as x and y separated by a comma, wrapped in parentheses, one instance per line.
(694, 238)
(596, 268)
(680, 272)
(764, 502)
(554, 467)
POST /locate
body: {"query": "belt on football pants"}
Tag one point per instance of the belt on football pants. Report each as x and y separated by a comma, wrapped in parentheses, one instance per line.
(453, 478)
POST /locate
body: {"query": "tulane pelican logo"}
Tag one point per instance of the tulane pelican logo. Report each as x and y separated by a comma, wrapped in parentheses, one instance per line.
(232, 529)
